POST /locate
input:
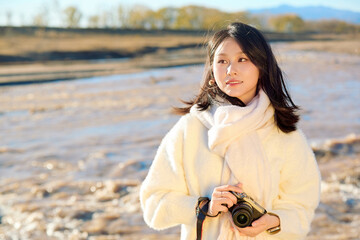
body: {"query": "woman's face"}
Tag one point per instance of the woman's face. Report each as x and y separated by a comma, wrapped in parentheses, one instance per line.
(234, 73)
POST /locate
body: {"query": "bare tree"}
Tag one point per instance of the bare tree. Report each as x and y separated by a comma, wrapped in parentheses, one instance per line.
(94, 21)
(41, 19)
(72, 17)
(107, 19)
(167, 17)
(190, 17)
(8, 18)
(138, 17)
(287, 23)
(123, 16)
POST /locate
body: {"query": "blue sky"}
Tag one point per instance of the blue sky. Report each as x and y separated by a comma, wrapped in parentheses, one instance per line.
(23, 11)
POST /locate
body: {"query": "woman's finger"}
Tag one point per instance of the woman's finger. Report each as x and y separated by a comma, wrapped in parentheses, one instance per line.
(229, 188)
(230, 196)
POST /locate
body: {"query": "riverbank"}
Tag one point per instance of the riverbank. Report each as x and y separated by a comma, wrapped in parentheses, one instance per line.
(54, 55)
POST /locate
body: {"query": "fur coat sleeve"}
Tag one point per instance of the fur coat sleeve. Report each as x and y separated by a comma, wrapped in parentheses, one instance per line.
(299, 188)
(164, 195)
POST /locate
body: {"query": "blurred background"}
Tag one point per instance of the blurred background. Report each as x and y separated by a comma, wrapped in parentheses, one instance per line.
(86, 90)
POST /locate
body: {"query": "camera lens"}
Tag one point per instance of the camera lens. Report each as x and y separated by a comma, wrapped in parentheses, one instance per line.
(242, 219)
(242, 215)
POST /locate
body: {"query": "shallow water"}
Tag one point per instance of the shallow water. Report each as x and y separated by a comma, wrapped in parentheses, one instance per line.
(73, 153)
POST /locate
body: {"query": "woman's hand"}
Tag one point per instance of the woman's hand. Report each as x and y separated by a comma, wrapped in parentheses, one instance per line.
(262, 224)
(222, 198)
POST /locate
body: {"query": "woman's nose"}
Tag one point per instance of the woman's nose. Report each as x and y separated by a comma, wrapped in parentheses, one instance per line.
(231, 70)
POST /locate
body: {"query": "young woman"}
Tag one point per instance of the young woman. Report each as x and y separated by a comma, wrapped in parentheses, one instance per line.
(238, 135)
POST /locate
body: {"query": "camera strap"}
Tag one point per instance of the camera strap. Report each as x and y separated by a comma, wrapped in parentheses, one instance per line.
(201, 213)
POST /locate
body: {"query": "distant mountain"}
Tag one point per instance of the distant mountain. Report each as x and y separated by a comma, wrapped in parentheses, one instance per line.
(312, 13)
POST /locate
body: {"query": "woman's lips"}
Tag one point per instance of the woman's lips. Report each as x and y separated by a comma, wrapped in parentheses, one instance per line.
(232, 82)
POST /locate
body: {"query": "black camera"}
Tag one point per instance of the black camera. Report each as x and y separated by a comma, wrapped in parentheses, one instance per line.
(246, 210)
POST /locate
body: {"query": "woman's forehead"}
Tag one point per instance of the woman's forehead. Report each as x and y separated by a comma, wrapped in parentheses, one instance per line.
(228, 47)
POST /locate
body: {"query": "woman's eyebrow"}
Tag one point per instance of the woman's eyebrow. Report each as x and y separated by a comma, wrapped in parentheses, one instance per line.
(224, 54)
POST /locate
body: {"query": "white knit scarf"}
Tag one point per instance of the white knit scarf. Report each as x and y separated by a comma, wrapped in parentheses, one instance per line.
(233, 135)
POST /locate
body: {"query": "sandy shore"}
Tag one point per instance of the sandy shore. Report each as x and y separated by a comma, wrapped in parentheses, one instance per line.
(73, 153)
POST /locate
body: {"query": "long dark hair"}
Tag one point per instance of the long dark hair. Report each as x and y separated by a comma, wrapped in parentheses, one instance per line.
(271, 80)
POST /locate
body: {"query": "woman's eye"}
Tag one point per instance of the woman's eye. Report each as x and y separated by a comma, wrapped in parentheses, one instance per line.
(222, 61)
(242, 59)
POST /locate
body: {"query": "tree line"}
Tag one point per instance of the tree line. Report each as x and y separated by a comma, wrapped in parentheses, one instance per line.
(189, 17)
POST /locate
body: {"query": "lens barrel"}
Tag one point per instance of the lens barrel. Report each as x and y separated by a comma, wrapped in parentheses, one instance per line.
(242, 214)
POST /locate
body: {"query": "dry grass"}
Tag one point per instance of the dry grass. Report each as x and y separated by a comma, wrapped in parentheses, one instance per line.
(53, 41)
(41, 41)
(338, 46)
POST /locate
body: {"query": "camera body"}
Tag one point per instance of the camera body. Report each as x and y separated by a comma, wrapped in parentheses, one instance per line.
(246, 210)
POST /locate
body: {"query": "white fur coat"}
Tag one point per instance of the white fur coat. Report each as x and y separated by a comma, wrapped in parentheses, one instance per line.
(185, 169)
